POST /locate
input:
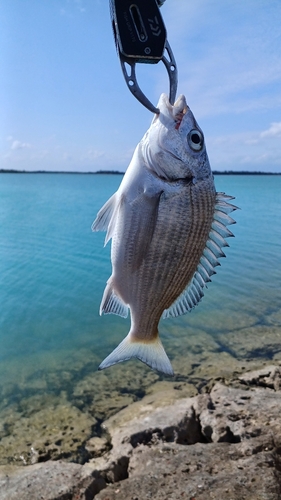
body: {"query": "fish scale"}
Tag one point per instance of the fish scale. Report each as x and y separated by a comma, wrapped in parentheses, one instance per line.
(168, 227)
(189, 265)
(163, 275)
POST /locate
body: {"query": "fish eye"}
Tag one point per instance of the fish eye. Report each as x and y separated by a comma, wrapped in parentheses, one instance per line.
(195, 140)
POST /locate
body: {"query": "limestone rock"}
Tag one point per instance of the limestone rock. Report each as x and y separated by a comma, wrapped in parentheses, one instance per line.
(202, 472)
(270, 376)
(48, 481)
(236, 415)
(235, 455)
(96, 446)
(222, 445)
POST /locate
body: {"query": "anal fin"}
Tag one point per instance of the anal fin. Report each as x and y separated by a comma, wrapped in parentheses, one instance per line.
(111, 303)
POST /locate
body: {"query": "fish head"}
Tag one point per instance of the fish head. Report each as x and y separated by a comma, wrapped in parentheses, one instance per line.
(174, 146)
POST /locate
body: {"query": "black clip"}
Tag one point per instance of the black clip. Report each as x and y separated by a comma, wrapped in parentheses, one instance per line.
(140, 37)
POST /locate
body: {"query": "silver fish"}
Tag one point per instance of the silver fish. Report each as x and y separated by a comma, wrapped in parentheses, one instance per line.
(168, 227)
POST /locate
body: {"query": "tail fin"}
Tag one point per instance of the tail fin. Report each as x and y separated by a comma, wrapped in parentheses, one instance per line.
(151, 353)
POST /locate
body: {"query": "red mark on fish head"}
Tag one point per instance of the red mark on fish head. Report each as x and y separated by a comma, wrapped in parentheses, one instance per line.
(178, 119)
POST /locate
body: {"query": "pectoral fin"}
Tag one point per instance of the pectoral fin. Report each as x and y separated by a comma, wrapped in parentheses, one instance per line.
(105, 219)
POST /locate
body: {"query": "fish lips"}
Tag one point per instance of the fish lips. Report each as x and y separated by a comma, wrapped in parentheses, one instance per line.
(178, 115)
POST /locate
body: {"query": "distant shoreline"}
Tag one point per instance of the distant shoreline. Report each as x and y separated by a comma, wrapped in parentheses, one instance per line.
(10, 171)
(117, 172)
(243, 172)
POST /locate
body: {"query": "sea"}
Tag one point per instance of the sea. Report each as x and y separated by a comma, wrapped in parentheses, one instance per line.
(53, 270)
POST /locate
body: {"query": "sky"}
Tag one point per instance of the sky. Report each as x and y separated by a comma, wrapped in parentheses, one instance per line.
(64, 104)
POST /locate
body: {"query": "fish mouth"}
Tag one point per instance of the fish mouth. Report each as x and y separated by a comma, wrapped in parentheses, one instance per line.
(179, 109)
(174, 112)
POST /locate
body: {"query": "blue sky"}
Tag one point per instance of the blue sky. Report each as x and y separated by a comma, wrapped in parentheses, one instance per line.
(64, 104)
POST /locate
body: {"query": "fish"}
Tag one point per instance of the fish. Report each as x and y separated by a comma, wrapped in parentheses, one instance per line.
(168, 226)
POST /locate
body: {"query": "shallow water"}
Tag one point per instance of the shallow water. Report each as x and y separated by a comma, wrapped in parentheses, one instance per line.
(53, 272)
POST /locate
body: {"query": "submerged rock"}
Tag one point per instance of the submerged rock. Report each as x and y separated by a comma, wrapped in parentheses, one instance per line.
(225, 444)
(57, 431)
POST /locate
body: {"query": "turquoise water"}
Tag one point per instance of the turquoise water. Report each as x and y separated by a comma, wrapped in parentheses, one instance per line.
(53, 270)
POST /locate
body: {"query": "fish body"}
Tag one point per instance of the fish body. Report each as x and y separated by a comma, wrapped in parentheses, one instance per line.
(168, 227)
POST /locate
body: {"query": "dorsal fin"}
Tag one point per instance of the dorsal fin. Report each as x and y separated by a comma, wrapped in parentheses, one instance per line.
(193, 293)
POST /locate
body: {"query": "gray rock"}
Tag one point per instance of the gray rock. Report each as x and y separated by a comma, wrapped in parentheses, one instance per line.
(96, 446)
(270, 376)
(216, 471)
(223, 445)
(236, 415)
(49, 481)
(235, 455)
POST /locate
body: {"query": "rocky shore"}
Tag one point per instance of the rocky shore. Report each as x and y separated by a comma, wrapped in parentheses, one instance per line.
(222, 443)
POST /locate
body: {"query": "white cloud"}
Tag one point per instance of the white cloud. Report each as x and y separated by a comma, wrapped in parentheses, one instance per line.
(20, 145)
(273, 131)
(228, 57)
(92, 155)
(246, 150)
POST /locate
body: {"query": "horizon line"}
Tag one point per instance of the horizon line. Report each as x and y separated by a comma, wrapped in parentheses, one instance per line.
(118, 172)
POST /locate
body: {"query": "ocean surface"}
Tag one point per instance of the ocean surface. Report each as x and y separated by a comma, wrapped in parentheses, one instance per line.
(53, 270)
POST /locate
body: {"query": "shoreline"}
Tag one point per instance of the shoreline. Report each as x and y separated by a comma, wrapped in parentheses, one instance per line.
(117, 172)
(51, 412)
(223, 442)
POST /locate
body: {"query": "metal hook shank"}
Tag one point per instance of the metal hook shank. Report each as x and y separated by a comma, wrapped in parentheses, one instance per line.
(134, 87)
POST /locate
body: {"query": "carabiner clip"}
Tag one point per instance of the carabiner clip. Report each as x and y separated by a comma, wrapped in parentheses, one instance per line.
(140, 37)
